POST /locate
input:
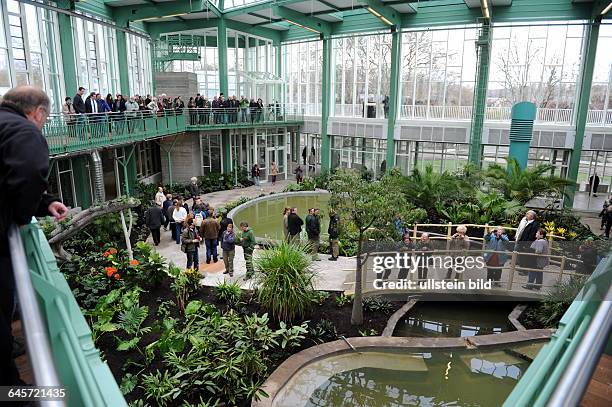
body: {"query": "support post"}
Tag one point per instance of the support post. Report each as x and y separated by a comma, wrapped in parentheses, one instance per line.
(66, 39)
(325, 100)
(590, 49)
(81, 181)
(396, 56)
(483, 45)
(222, 53)
(122, 62)
(226, 151)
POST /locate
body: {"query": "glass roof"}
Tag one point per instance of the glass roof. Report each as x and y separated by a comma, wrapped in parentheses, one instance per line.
(238, 3)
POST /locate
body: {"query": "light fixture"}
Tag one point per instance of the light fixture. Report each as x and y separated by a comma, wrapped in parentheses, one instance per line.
(157, 18)
(608, 7)
(484, 4)
(302, 26)
(380, 16)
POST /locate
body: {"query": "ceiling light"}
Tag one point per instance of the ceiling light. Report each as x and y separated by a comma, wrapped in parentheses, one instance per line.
(604, 11)
(157, 18)
(380, 16)
(302, 26)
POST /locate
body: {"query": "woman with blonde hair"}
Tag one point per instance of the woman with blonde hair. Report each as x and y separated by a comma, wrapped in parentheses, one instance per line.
(160, 197)
(459, 243)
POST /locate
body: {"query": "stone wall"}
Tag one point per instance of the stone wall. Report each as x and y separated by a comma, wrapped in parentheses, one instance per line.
(184, 84)
(186, 157)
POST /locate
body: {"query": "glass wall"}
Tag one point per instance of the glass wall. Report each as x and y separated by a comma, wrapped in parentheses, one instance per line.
(95, 48)
(61, 182)
(251, 67)
(361, 75)
(600, 106)
(29, 50)
(362, 154)
(210, 146)
(302, 62)
(420, 154)
(148, 159)
(206, 69)
(438, 73)
(539, 64)
(139, 65)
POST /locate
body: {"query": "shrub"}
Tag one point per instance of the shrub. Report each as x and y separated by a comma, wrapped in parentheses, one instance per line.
(377, 304)
(323, 331)
(230, 293)
(284, 277)
(308, 184)
(342, 300)
(233, 204)
(185, 283)
(319, 297)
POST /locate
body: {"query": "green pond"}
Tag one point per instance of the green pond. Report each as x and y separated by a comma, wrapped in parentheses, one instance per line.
(377, 379)
(266, 217)
(455, 319)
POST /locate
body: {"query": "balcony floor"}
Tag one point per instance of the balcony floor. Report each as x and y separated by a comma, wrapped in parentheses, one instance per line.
(599, 392)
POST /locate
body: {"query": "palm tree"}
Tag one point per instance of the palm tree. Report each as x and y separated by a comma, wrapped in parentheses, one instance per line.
(524, 184)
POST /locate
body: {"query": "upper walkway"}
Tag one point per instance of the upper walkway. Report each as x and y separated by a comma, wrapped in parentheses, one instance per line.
(68, 134)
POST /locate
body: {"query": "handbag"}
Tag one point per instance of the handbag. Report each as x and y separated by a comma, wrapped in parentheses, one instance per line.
(493, 260)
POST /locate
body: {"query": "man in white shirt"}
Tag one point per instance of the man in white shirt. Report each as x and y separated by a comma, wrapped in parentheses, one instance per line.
(179, 214)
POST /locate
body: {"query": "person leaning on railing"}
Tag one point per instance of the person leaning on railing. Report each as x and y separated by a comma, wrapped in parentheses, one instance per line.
(24, 165)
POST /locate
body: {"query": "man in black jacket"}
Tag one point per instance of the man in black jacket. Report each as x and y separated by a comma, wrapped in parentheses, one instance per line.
(154, 218)
(24, 164)
(333, 230)
(313, 230)
(294, 226)
(77, 101)
(525, 235)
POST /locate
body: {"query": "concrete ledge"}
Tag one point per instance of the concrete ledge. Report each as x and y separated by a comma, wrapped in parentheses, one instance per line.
(279, 378)
(514, 316)
(397, 315)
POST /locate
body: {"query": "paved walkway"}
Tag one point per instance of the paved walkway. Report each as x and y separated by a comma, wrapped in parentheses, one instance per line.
(331, 275)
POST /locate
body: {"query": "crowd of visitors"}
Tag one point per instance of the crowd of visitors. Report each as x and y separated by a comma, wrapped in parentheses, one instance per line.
(201, 110)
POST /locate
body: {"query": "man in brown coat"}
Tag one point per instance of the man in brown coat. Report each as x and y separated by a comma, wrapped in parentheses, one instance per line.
(210, 230)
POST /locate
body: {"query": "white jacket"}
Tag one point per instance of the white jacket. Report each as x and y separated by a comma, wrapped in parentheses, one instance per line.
(179, 214)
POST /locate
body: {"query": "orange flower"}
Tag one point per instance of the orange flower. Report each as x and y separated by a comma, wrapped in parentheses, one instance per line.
(117, 276)
(110, 271)
(106, 254)
(112, 250)
(134, 262)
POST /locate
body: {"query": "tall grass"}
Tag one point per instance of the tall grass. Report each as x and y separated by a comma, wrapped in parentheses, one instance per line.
(285, 280)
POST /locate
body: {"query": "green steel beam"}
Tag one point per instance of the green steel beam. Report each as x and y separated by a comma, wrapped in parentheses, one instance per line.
(483, 50)
(66, 40)
(154, 10)
(155, 29)
(547, 10)
(325, 102)
(222, 52)
(389, 13)
(396, 57)
(81, 181)
(122, 62)
(238, 11)
(312, 23)
(268, 33)
(584, 94)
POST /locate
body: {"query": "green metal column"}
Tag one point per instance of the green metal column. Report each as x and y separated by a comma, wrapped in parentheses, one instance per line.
(483, 45)
(226, 150)
(222, 50)
(122, 62)
(66, 40)
(590, 49)
(325, 92)
(396, 57)
(80, 172)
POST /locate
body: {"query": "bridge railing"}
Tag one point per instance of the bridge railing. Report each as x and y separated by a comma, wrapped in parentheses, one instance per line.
(560, 373)
(87, 379)
(82, 132)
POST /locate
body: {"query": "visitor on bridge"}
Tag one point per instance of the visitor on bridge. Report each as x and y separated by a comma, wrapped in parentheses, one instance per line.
(24, 165)
(179, 214)
(424, 245)
(191, 243)
(525, 235)
(294, 225)
(497, 242)
(154, 219)
(459, 242)
(244, 108)
(539, 247)
(228, 244)
(313, 230)
(210, 231)
(333, 230)
(247, 241)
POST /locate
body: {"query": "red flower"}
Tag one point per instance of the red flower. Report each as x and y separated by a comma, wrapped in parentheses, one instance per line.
(112, 250)
(110, 271)
(134, 262)
(117, 276)
(106, 254)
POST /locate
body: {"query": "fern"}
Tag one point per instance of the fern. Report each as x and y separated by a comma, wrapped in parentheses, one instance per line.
(131, 320)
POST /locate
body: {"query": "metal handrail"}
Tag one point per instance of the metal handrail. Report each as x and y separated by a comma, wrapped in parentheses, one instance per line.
(43, 366)
(575, 379)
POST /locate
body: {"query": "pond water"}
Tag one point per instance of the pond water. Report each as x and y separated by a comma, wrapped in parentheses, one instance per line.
(377, 379)
(266, 217)
(455, 319)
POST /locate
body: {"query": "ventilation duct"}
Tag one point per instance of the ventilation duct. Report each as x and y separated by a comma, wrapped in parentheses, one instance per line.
(98, 177)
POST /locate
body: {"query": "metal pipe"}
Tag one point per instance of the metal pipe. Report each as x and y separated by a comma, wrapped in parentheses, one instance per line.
(348, 343)
(98, 181)
(577, 375)
(37, 342)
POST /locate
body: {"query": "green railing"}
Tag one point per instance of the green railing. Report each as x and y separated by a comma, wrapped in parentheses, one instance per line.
(77, 133)
(87, 379)
(542, 380)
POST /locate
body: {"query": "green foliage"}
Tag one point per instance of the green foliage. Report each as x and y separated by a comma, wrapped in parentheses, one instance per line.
(215, 181)
(549, 312)
(323, 331)
(152, 265)
(342, 300)
(308, 184)
(319, 297)
(424, 188)
(368, 332)
(293, 187)
(486, 208)
(229, 292)
(161, 387)
(184, 283)
(322, 179)
(523, 185)
(228, 206)
(284, 280)
(377, 304)
(128, 383)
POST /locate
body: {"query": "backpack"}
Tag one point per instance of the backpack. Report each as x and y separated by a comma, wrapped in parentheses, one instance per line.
(198, 219)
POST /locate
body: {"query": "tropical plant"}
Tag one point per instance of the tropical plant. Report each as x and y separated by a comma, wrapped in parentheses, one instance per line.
(228, 206)
(284, 278)
(319, 297)
(368, 332)
(152, 265)
(323, 331)
(229, 292)
(366, 205)
(523, 185)
(184, 283)
(161, 387)
(422, 188)
(342, 300)
(377, 304)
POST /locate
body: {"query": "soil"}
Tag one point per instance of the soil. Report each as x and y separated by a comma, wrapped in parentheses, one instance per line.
(339, 316)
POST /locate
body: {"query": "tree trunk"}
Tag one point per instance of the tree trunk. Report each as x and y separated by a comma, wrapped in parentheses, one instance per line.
(126, 234)
(357, 313)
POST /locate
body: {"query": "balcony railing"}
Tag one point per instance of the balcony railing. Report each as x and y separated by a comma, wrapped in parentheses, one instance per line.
(74, 133)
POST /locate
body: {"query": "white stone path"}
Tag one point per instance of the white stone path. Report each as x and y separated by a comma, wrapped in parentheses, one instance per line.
(331, 275)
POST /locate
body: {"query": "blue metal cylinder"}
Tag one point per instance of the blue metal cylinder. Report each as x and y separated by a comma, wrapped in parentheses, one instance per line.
(521, 131)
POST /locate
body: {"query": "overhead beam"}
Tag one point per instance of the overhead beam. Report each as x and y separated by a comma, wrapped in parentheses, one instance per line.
(385, 13)
(311, 23)
(155, 29)
(236, 11)
(268, 33)
(155, 10)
